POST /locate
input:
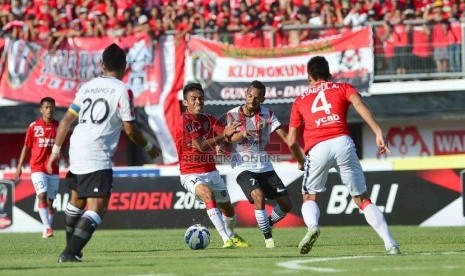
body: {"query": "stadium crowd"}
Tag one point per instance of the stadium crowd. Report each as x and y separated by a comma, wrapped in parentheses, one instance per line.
(256, 23)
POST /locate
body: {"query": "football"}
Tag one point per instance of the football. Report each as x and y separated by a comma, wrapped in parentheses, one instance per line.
(197, 237)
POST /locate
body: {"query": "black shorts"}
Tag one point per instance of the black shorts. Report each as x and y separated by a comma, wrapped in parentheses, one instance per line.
(95, 184)
(71, 180)
(269, 182)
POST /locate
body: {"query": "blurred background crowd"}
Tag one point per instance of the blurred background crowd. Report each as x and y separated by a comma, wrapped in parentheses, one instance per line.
(426, 33)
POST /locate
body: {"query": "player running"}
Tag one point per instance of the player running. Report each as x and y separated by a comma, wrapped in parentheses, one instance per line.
(39, 140)
(322, 111)
(256, 175)
(196, 137)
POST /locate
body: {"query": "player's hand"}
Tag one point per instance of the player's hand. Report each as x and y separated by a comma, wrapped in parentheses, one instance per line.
(382, 147)
(154, 152)
(18, 173)
(229, 130)
(54, 158)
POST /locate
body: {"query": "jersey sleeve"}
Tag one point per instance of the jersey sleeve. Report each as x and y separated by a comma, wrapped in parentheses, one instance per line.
(29, 141)
(296, 117)
(126, 106)
(349, 90)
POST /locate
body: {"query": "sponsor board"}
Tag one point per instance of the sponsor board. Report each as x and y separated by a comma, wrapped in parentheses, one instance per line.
(146, 200)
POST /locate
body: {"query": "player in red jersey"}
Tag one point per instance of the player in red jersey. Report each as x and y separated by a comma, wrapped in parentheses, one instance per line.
(196, 138)
(39, 141)
(322, 110)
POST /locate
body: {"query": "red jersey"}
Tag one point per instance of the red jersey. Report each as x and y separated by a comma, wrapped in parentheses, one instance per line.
(40, 138)
(191, 160)
(322, 110)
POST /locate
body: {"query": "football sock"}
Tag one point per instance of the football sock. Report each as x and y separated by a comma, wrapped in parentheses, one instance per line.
(310, 213)
(216, 218)
(43, 213)
(375, 218)
(229, 224)
(277, 214)
(263, 223)
(50, 216)
(85, 227)
(72, 216)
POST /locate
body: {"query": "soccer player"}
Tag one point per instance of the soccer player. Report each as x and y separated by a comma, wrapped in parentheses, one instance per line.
(38, 143)
(256, 175)
(322, 111)
(197, 135)
(104, 106)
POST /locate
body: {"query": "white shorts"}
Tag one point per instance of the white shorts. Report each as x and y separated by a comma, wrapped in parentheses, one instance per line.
(45, 183)
(338, 153)
(212, 179)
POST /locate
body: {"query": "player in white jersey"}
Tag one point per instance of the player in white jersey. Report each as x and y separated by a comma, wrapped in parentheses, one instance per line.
(256, 175)
(104, 107)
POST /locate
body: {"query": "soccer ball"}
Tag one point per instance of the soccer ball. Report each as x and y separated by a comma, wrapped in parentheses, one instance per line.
(197, 237)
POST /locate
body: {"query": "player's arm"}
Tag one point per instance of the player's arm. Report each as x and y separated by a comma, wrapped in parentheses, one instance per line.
(136, 136)
(22, 157)
(364, 112)
(203, 144)
(62, 132)
(294, 147)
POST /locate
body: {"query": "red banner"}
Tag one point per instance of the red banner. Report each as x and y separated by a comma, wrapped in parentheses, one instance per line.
(226, 71)
(30, 72)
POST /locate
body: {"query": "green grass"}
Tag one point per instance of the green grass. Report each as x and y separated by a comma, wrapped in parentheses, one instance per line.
(338, 251)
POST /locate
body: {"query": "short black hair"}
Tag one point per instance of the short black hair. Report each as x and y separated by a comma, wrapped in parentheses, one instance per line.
(47, 100)
(191, 87)
(260, 86)
(114, 58)
(318, 68)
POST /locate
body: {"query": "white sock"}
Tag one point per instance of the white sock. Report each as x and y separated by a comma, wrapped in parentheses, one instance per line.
(375, 218)
(215, 216)
(277, 214)
(229, 224)
(263, 223)
(310, 213)
(43, 213)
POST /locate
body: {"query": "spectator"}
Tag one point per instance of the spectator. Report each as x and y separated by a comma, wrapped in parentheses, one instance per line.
(357, 16)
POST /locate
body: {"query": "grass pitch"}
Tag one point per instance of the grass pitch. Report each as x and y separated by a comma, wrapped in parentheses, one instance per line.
(338, 251)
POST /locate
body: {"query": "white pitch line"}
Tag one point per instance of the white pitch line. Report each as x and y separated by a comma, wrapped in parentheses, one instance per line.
(299, 264)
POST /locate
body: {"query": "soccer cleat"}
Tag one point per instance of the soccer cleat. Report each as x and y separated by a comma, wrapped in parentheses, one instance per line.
(64, 258)
(309, 239)
(229, 244)
(239, 241)
(269, 243)
(47, 233)
(393, 249)
(79, 255)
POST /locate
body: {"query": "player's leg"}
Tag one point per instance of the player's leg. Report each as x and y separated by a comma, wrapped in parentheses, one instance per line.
(39, 180)
(352, 177)
(375, 218)
(197, 184)
(224, 203)
(74, 208)
(251, 187)
(317, 165)
(96, 188)
(274, 188)
(52, 190)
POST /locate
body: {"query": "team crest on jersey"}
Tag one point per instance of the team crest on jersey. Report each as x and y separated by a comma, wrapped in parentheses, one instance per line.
(193, 126)
(21, 59)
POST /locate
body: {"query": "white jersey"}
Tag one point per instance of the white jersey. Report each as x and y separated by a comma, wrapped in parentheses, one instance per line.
(102, 104)
(250, 154)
